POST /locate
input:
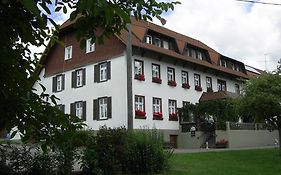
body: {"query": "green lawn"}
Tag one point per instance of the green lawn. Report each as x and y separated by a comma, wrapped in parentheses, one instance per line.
(246, 162)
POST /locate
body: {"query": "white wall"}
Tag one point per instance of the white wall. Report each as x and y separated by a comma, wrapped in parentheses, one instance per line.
(116, 87)
(149, 89)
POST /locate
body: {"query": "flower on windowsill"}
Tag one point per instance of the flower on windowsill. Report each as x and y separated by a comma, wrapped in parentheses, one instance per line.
(198, 88)
(157, 116)
(140, 113)
(173, 117)
(185, 86)
(139, 77)
(221, 143)
(156, 80)
(210, 89)
(172, 83)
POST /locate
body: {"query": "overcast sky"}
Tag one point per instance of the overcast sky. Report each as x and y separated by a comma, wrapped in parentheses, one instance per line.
(243, 31)
(247, 32)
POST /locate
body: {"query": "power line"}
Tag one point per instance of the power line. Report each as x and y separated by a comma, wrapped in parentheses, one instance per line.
(260, 2)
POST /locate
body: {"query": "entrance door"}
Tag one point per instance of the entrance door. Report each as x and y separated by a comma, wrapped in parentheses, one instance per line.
(174, 140)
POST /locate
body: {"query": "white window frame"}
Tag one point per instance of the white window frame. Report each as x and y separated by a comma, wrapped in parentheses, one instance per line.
(139, 103)
(197, 81)
(165, 44)
(193, 53)
(156, 105)
(155, 71)
(148, 39)
(59, 83)
(221, 85)
(90, 47)
(68, 53)
(223, 63)
(237, 88)
(79, 109)
(138, 67)
(171, 73)
(172, 106)
(199, 55)
(184, 77)
(157, 42)
(103, 108)
(79, 78)
(103, 72)
(208, 82)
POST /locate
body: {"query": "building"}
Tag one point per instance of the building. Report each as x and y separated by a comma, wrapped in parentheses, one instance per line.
(169, 70)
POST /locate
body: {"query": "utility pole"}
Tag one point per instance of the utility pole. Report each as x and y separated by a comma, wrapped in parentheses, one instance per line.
(265, 60)
(129, 78)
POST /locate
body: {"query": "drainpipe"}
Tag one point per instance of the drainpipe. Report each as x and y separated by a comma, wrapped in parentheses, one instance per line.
(129, 78)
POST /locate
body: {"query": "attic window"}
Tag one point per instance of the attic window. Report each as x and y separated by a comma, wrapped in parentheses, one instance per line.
(149, 39)
(157, 42)
(165, 45)
(199, 55)
(223, 63)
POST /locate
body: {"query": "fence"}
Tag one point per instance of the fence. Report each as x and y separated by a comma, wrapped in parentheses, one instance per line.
(245, 126)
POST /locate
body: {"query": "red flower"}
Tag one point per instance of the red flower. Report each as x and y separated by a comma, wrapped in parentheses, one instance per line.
(198, 88)
(140, 113)
(140, 77)
(185, 86)
(222, 142)
(172, 83)
(173, 116)
(156, 80)
(158, 115)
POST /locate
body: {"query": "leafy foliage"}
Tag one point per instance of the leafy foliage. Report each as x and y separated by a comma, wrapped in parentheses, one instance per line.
(27, 22)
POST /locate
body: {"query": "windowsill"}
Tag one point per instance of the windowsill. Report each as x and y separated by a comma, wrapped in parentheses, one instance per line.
(102, 119)
(173, 119)
(140, 117)
(101, 81)
(157, 118)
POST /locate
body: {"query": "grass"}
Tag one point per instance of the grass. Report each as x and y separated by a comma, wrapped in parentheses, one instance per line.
(246, 162)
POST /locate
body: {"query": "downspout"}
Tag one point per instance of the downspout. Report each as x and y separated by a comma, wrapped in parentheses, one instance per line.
(129, 78)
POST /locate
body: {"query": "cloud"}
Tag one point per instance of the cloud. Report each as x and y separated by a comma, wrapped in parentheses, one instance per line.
(246, 32)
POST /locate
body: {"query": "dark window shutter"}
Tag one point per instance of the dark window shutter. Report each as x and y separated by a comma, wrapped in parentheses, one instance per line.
(109, 107)
(63, 81)
(84, 76)
(73, 79)
(54, 84)
(96, 73)
(108, 70)
(96, 110)
(72, 108)
(84, 111)
(63, 108)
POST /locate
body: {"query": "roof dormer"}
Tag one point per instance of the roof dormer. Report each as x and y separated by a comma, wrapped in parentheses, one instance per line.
(231, 64)
(196, 53)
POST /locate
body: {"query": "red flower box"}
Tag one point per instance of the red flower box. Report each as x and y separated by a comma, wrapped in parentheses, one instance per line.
(173, 117)
(185, 86)
(156, 80)
(140, 114)
(172, 83)
(198, 88)
(222, 143)
(157, 116)
(209, 89)
(140, 77)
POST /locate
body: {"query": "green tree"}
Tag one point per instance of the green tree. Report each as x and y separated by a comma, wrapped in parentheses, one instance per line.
(262, 100)
(28, 22)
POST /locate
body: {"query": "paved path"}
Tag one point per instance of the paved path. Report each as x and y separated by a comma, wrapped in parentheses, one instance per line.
(218, 150)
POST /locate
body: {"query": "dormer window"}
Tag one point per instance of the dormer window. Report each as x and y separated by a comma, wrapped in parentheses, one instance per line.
(149, 39)
(157, 42)
(165, 45)
(199, 55)
(223, 63)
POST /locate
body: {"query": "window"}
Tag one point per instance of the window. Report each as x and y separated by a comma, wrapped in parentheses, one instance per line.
(237, 88)
(184, 77)
(172, 106)
(193, 53)
(171, 74)
(209, 83)
(102, 108)
(165, 45)
(68, 53)
(149, 39)
(199, 55)
(222, 63)
(61, 107)
(138, 67)
(90, 47)
(197, 81)
(102, 72)
(139, 103)
(185, 103)
(79, 109)
(221, 85)
(157, 42)
(58, 83)
(78, 78)
(157, 105)
(155, 71)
